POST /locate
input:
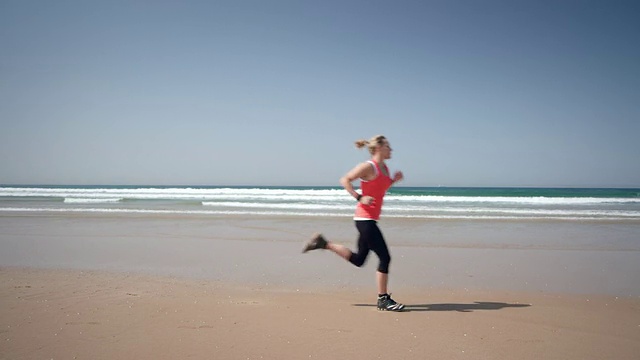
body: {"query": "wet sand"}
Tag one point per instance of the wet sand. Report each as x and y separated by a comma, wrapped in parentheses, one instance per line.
(548, 257)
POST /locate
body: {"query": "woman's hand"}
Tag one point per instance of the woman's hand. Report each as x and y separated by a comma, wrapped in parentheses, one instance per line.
(367, 200)
(398, 176)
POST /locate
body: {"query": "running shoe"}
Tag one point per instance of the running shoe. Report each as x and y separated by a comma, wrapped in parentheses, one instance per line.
(317, 242)
(386, 303)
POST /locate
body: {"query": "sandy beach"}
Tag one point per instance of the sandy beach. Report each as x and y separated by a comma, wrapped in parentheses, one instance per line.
(96, 315)
(99, 287)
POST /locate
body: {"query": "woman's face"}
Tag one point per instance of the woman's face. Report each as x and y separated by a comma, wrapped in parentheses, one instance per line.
(385, 149)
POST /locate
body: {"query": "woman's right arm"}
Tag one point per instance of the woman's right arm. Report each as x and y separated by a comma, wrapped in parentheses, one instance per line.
(361, 171)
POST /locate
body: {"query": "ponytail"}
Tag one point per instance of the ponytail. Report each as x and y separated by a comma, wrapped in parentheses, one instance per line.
(371, 143)
(361, 143)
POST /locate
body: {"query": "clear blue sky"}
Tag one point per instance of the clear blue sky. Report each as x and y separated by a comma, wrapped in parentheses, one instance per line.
(469, 93)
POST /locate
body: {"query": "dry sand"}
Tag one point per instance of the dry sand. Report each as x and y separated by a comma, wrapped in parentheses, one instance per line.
(63, 314)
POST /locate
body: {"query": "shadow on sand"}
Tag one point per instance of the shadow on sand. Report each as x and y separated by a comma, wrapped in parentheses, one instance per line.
(477, 305)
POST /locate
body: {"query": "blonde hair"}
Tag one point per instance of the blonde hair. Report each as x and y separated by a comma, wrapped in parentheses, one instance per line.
(372, 143)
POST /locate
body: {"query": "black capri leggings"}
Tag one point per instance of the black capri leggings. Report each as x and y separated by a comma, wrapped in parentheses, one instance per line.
(371, 239)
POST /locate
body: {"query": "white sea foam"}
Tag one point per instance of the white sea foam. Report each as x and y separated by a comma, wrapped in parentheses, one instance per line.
(520, 212)
(258, 194)
(320, 202)
(428, 210)
(512, 200)
(289, 206)
(167, 212)
(178, 193)
(91, 200)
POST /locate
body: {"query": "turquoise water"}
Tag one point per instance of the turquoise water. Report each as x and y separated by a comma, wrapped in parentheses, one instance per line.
(565, 204)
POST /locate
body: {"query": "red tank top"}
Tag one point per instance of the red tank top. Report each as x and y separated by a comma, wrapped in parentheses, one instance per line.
(375, 188)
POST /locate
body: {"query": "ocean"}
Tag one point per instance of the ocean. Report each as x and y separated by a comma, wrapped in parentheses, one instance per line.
(526, 204)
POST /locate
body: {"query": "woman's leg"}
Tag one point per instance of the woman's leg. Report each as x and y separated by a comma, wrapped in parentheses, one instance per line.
(379, 246)
(360, 257)
(319, 242)
(341, 250)
(383, 280)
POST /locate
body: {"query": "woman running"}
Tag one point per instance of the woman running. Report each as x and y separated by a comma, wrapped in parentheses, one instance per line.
(374, 181)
